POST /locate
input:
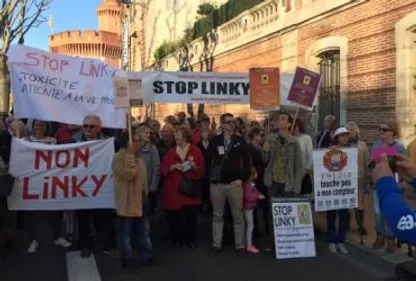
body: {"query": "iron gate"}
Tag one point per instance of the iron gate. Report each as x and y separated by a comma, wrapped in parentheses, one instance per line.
(329, 89)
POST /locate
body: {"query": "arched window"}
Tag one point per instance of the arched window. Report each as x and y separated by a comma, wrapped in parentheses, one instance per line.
(329, 90)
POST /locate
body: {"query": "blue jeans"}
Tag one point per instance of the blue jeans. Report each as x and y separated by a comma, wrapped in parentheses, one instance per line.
(381, 226)
(343, 220)
(125, 226)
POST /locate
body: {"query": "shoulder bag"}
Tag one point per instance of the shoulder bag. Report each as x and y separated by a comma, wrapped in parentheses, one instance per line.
(215, 172)
(189, 188)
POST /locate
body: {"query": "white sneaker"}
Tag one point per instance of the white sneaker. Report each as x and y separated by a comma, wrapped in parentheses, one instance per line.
(342, 248)
(62, 242)
(33, 247)
(332, 248)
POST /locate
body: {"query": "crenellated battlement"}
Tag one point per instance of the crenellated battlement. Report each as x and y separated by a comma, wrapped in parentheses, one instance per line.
(83, 36)
(104, 44)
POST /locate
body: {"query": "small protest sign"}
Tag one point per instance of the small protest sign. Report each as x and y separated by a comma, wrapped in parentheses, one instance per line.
(304, 87)
(335, 179)
(264, 88)
(293, 228)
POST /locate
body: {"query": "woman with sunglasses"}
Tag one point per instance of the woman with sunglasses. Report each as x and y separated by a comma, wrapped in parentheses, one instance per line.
(389, 135)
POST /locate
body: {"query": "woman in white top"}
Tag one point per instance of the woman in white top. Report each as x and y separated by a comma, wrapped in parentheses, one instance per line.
(306, 147)
(36, 219)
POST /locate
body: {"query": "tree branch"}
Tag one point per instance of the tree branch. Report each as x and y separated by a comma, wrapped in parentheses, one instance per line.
(18, 17)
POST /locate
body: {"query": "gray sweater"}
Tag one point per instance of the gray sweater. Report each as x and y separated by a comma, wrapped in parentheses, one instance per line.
(150, 157)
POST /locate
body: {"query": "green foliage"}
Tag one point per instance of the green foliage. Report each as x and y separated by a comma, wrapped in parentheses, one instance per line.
(165, 49)
(205, 9)
(214, 18)
(219, 16)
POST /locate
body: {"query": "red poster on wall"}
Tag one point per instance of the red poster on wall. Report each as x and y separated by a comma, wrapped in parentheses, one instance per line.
(264, 88)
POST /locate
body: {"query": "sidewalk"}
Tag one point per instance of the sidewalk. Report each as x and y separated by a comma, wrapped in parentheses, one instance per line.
(399, 263)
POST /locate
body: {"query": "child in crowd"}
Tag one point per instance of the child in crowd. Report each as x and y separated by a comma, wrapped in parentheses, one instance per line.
(251, 195)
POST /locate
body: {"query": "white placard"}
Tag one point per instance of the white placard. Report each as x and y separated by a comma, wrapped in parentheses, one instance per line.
(62, 177)
(335, 179)
(61, 88)
(293, 228)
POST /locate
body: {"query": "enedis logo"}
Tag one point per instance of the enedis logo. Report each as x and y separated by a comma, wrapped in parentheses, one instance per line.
(335, 160)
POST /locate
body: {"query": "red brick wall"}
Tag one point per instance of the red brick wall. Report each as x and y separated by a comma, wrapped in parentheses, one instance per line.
(371, 57)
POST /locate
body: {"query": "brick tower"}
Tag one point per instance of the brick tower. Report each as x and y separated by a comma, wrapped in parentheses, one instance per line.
(104, 44)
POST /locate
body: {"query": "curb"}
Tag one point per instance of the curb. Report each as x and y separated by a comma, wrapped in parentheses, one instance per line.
(398, 265)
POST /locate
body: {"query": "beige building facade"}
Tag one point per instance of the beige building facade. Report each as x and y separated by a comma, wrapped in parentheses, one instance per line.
(151, 22)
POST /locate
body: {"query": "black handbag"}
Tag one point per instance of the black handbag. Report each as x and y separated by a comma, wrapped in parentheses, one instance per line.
(6, 185)
(189, 188)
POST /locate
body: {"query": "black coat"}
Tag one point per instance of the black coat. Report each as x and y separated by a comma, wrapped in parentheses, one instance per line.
(237, 165)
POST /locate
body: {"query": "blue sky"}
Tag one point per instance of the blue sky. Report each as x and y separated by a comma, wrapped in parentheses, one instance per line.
(66, 15)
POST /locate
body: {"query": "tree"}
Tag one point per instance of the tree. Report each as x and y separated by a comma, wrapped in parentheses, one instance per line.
(205, 9)
(17, 17)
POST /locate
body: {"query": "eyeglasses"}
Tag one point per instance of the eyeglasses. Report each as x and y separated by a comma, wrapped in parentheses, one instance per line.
(384, 130)
(229, 122)
(86, 126)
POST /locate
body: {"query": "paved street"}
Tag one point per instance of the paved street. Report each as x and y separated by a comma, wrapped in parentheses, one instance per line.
(52, 264)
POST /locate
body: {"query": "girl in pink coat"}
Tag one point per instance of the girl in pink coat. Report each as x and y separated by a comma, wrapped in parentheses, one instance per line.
(251, 196)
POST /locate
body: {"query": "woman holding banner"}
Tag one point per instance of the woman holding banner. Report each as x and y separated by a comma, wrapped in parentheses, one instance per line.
(336, 239)
(130, 189)
(40, 134)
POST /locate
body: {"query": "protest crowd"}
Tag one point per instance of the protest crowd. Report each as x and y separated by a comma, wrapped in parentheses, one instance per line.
(186, 167)
(73, 157)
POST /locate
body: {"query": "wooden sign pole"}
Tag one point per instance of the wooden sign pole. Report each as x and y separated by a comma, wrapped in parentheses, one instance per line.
(294, 120)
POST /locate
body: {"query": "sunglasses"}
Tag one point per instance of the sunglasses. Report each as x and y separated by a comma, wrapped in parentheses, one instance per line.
(384, 130)
(86, 126)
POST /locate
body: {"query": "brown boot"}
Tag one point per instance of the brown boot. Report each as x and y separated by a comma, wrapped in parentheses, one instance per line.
(391, 245)
(379, 243)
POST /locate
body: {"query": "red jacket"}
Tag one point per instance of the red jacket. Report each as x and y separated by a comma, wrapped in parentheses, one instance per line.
(171, 198)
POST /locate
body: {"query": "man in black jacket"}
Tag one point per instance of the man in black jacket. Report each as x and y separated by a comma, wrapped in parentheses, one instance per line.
(228, 164)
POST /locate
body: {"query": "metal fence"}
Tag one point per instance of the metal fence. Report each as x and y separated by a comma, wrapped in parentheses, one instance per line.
(329, 90)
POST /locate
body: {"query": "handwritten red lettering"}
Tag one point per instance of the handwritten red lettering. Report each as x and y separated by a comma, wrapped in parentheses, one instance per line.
(62, 158)
(62, 185)
(36, 59)
(46, 156)
(45, 188)
(98, 183)
(92, 69)
(83, 155)
(26, 195)
(76, 187)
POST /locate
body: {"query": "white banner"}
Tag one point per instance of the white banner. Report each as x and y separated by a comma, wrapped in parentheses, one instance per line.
(293, 228)
(335, 179)
(203, 87)
(61, 88)
(62, 177)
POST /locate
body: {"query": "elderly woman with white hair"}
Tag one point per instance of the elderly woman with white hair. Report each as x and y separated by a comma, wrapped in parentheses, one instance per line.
(363, 161)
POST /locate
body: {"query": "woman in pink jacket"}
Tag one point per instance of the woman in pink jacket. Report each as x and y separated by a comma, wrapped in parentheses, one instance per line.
(251, 195)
